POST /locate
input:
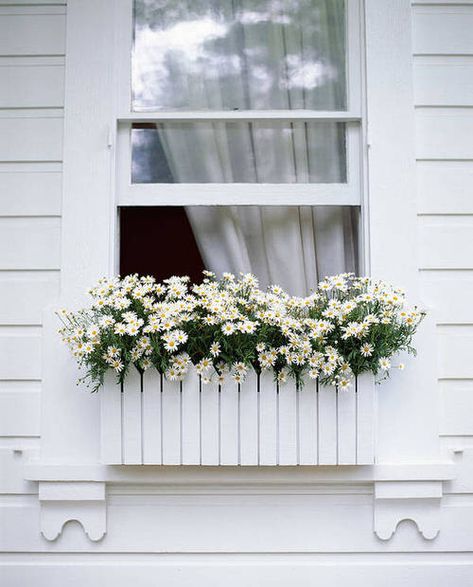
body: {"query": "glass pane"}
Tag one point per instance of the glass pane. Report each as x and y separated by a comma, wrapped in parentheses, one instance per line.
(239, 54)
(239, 152)
(292, 246)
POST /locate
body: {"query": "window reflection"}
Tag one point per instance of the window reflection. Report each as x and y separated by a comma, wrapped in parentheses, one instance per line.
(239, 54)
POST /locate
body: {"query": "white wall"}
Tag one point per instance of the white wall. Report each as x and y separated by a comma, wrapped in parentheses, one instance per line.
(153, 532)
(32, 45)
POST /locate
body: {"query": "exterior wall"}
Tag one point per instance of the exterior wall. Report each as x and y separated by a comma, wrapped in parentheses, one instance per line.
(32, 46)
(154, 533)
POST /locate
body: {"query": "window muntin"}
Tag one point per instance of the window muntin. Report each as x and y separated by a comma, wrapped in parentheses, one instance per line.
(239, 55)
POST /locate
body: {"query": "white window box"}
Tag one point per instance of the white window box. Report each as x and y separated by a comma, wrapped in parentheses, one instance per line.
(152, 421)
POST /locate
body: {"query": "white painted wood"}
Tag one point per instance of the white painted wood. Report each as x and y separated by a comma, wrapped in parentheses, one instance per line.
(191, 419)
(442, 30)
(31, 139)
(226, 194)
(455, 348)
(457, 407)
(24, 294)
(20, 409)
(308, 423)
(248, 414)
(443, 81)
(327, 425)
(171, 418)
(365, 423)
(288, 423)
(210, 423)
(31, 86)
(20, 353)
(111, 404)
(449, 293)
(444, 133)
(243, 115)
(152, 417)
(444, 187)
(32, 34)
(30, 193)
(445, 242)
(229, 431)
(132, 418)
(41, 248)
(268, 419)
(347, 432)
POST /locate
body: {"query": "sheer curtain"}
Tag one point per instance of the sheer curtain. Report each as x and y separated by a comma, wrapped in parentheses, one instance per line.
(262, 55)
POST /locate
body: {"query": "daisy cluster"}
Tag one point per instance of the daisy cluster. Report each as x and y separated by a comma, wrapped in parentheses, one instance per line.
(224, 328)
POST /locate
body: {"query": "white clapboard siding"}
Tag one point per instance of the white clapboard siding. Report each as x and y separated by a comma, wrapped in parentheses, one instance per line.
(32, 34)
(450, 293)
(31, 86)
(443, 30)
(19, 409)
(24, 294)
(444, 133)
(30, 243)
(258, 422)
(445, 187)
(20, 353)
(457, 408)
(446, 242)
(31, 139)
(29, 192)
(443, 81)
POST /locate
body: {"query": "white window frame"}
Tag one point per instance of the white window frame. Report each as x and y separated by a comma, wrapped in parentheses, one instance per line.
(346, 194)
(89, 219)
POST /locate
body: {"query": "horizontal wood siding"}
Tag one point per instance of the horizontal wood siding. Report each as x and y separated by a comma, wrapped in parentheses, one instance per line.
(32, 46)
(443, 82)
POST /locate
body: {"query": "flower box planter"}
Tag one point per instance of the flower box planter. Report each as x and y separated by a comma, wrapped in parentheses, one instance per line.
(152, 421)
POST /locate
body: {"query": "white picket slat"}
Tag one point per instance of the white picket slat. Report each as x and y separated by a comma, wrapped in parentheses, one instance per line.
(346, 426)
(366, 408)
(155, 421)
(171, 419)
(287, 422)
(132, 414)
(268, 419)
(191, 418)
(327, 425)
(209, 417)
(152, 417)
(308, 429)
(229, 423)
(248, 396)
(111, 421)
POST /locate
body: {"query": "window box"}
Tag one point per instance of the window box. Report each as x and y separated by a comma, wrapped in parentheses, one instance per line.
(152, 421)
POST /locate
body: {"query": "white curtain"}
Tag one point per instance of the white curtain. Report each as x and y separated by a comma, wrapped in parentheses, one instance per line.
(273, 56)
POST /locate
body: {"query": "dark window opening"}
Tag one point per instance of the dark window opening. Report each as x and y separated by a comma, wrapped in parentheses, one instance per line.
(158, 241)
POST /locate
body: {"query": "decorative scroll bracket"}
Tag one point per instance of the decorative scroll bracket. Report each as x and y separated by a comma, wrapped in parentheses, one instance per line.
(418, 501)
(65, 501)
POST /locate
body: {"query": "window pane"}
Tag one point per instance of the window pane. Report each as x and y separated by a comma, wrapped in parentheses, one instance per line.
(239, 152)
(239, 54)
(292, 246)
